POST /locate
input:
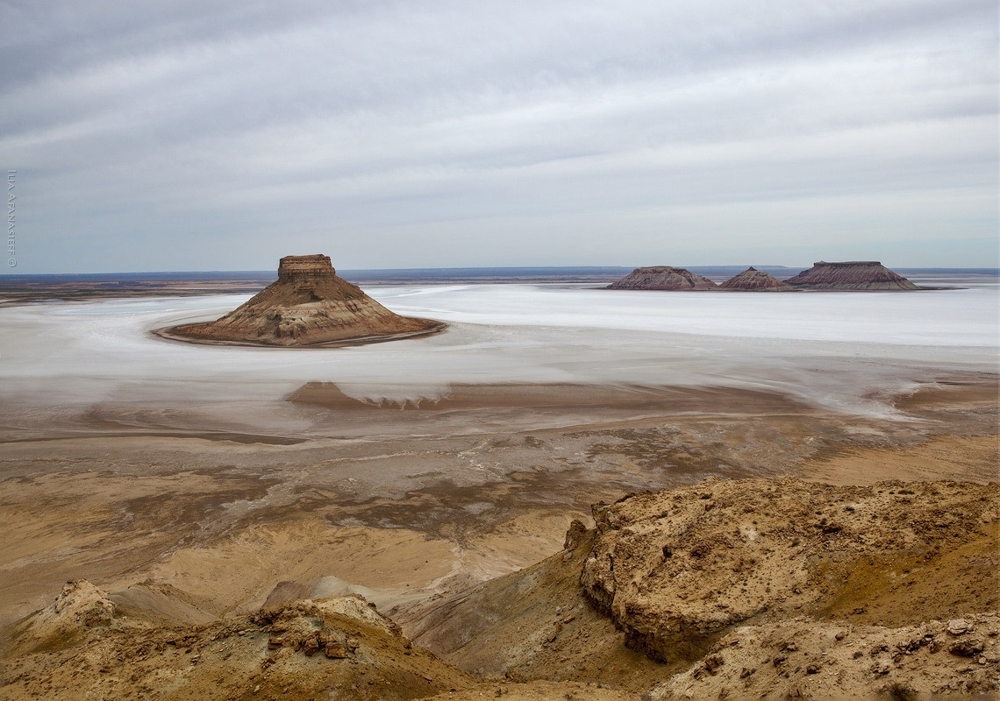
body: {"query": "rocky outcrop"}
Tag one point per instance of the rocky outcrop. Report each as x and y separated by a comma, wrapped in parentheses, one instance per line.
(753, 280)
(838, 660)
(334, 648)
(677, 569)
(663, 277)
(309, 305)
(339, 647)
(79, 608)
(850, 275)
(750, 589)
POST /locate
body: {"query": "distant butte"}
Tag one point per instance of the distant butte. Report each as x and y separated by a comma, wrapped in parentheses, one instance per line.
(308, 306)
(663, 277)
(753, 280)
(850, 275)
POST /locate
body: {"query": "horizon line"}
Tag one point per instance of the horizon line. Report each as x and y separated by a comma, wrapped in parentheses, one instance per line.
(270, 272)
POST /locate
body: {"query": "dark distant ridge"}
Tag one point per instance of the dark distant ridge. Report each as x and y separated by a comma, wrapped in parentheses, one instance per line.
(21, 288)
(707, 270)
(197, 275)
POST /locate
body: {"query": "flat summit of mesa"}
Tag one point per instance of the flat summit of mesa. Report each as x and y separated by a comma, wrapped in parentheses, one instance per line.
(309, 305)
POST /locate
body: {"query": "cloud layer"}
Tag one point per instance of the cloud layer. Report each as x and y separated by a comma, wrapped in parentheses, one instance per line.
(403, 134)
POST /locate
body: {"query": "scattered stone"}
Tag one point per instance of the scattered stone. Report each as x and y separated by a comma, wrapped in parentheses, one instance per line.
(712, 663)
(336, 651)
(968, 647)
(310, 646)
(959, 626)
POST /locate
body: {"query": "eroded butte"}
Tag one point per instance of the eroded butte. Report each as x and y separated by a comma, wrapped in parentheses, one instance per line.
(308, 306)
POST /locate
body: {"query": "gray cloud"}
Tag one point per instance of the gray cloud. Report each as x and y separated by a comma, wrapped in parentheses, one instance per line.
(394, 134)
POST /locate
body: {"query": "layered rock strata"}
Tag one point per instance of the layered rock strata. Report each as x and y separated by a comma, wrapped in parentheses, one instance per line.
(663, 277)
(309, 305)
(753, 280)
(850, 275)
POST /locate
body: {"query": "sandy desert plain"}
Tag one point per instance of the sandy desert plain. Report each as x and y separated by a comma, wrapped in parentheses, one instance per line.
(438, 477)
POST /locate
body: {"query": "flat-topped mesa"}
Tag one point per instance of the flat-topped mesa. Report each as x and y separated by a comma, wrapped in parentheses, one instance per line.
(305, 267)
(663, 277)
(850, 275)
(753, 280)
(307, 306)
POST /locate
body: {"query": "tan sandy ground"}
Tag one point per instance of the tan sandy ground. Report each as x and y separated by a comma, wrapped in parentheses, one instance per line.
(422, 504)
(942, 457)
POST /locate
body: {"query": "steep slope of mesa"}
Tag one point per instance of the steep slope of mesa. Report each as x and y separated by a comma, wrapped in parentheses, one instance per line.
(850, 275)
(309, 305)
(753, 280)
(663, 278)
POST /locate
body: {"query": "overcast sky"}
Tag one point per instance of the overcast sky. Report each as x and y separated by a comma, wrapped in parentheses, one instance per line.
(193, 135)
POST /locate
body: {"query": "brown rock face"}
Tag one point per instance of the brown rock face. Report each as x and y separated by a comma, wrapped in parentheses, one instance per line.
(308, 306)
(676, 569)
(850, 275)
(663, 277)
(305, 268)
(753, 280)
